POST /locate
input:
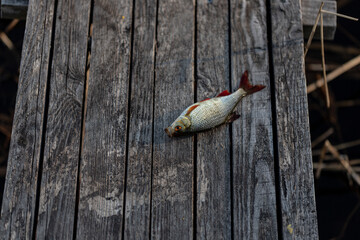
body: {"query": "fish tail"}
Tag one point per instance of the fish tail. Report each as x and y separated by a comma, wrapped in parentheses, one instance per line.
(248, 88)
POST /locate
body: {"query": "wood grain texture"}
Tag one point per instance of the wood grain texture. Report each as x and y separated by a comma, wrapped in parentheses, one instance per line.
(138, 189)
(63, 130)
(102, 173)
(165, 198)
(309, 11)
(13, 8)
(294, 145)
(172, 194)
(19, 200)
(254, 195)
(213, 147)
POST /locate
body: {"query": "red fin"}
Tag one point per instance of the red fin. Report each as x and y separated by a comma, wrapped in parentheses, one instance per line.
(205, 99)
(232, 117)
(223, 93)
(244, 84)
(191, 109)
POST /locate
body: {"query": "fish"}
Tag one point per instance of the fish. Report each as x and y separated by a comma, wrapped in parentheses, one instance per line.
(212, 112)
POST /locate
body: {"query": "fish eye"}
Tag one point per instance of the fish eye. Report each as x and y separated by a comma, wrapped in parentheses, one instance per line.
(177, 128)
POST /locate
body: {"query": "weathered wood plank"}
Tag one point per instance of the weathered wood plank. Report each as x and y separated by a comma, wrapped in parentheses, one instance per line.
(19, 200)
(63, 130)
(254, 195)
(102, 173)
(293, 133)
(172, 194)
(13, 8)
(213, 148)
(138, 189)
(309, 11)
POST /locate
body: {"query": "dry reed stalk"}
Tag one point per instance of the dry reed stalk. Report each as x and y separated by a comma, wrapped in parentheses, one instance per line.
(341, 146)
(322, 137)
(316, 67)
(313, 30)
(11, 25)
(330, 47)
(320, 15)
(340, 15)
(348, 144)
(6, 40)
(323, 60)
(348, 103)
(334, 74)
(343, 161)
(333, 167)
(354, 162)
(321, 160)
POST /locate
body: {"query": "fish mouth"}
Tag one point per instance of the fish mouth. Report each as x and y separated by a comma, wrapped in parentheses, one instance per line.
(168, 132)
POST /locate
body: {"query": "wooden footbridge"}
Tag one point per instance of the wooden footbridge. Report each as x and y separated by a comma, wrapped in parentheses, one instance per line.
(99, 82)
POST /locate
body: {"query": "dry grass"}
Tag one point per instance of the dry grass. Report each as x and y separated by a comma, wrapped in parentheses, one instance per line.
(341, 158)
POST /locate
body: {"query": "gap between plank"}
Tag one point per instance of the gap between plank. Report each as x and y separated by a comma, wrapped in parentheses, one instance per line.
(231, 129)
(83, 114)
(128, 117)
(195, 136)
(45, 118)
(153, 114)
(274, 121)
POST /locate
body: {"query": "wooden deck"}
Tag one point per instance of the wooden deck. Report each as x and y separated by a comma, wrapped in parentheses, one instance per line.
(89, 157)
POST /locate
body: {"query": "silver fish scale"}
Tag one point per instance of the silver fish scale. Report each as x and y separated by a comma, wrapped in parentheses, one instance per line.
(213, 112)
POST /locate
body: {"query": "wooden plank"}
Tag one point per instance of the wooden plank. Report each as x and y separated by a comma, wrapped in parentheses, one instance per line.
(102, 173)
(63, 130)
(213, 148)
(172, 193)
(13, 8)
(309, 8)
(19, 200)
(138, 189)
(309, 11)
(293, 133)
(254, 198)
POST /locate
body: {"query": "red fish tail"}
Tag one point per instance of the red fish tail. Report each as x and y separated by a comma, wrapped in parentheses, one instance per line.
(248, 88)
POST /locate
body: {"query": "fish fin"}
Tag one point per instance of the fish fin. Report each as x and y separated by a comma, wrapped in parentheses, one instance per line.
(248, 88)
(190, 110)
(205, 99)
(223, 93)
(232, 117)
